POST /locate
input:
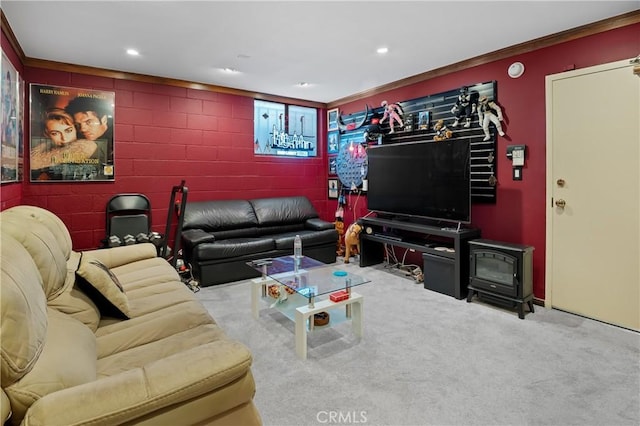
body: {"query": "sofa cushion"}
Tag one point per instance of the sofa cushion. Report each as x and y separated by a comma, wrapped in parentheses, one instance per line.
(43, 248)
(309, 239)
(281, 229)
(68, 359)
(23, 311)
(236, 247)
(73, 301)
(218, 215)
(283, 210)
(52, 222)
(235, 233)
(103, 287)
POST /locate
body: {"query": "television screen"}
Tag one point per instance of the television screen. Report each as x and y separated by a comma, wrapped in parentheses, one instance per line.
(423, 179)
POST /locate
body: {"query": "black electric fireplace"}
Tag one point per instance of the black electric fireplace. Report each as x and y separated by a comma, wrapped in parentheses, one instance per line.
(501, 273)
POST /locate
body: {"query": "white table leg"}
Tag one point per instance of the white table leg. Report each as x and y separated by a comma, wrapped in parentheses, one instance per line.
(356, 317)
(257, 287)
(305, 313)
(301, 334)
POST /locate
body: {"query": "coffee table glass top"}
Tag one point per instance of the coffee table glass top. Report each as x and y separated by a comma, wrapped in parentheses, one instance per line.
(313, 278)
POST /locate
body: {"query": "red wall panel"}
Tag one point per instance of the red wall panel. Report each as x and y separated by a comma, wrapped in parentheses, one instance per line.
(518, 215)
(165, 134)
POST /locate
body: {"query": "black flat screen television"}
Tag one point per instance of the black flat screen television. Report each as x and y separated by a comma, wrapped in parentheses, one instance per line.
(421, 179)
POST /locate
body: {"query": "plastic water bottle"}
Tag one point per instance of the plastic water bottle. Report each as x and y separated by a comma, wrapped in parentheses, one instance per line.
(297, 252)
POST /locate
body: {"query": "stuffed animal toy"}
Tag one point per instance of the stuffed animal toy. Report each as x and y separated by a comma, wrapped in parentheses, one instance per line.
(352, 241)
(442, 131)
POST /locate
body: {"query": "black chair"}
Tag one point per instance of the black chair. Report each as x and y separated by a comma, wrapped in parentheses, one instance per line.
(128, 214)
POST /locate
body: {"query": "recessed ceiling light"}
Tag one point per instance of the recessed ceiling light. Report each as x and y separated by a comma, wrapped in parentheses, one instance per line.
(133, 52)
(230, 70)
(303, 84)
(382, 50)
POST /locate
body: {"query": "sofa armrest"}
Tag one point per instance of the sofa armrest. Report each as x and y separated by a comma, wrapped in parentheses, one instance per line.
(193, 237)
(134, 393)
(318, 224)
(118, 256)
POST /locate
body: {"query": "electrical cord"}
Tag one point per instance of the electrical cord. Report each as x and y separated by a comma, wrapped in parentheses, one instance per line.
(190, 281)
(392, 262)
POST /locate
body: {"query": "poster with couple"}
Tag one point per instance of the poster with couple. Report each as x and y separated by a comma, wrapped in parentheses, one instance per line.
(71, 134)
(11, 149)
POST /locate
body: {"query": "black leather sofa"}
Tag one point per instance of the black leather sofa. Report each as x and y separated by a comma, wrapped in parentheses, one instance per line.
(219, 237)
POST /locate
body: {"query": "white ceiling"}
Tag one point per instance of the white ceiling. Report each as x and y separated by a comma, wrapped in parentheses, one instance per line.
(277, 44)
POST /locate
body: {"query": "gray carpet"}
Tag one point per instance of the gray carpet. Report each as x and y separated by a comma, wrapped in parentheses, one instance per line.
(429, 359)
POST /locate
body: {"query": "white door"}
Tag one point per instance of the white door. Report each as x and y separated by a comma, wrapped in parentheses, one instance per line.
(593, 193)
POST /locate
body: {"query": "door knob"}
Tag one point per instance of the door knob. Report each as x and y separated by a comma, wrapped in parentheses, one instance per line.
(561, 203)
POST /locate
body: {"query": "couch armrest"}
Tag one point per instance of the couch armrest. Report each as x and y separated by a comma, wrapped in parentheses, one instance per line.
(118, 256)
(193, 237)
(318, 224)
(134, 393)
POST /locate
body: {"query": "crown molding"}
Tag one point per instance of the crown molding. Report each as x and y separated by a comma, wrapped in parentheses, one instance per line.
(6, 29)
(518, 49)
(143, 78)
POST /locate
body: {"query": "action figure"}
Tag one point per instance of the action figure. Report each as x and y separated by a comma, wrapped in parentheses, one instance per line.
(392, 111)
(463, 108)
(489, 111)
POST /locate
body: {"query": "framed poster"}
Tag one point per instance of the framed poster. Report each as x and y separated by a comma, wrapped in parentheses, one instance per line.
(71, 134)
(333, 165)
(333, 189)
(332, 119)
(423, 120)
(11, 130)
(284, 130)
(333, 142)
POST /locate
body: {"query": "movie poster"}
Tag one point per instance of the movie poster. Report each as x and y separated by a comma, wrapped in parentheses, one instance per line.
(11, 130)
(71, 134)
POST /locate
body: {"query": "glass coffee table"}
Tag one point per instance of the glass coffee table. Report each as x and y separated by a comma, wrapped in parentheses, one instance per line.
(302, 294)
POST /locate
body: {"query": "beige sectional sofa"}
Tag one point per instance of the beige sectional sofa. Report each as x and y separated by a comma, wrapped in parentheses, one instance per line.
(69, 356)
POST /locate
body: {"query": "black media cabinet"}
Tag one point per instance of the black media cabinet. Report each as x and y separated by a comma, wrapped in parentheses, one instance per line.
(445, 251)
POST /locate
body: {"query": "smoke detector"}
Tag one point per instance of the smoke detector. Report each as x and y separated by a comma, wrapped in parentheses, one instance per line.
(516, 69)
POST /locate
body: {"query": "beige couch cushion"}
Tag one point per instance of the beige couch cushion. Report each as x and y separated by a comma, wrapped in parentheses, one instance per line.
(73, 301)
(68, 359)
(43, 247)
(65, 364)
(103, 287)
(49, 220)
(24, 307)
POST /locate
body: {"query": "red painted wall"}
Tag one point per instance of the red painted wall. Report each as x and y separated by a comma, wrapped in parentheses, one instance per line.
(165, 134)
(518, 216)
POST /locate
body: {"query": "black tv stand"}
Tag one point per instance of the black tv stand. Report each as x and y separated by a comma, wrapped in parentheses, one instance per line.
(445, 251)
